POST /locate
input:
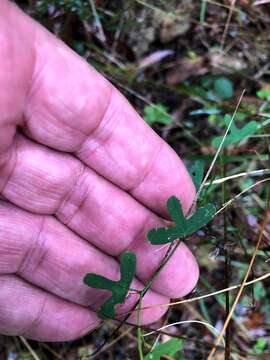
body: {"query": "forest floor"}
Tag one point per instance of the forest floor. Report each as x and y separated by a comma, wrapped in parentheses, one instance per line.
(184, 66)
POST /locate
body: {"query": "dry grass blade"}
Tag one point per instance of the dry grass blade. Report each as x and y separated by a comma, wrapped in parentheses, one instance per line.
(261, 2)
(223, 5)
(31, 351)
(114, 341)
(210, 356)
(222, 291)
(100, 33)
(240, 194)
(242, 174)
(207, 325)
(218, 150)
(224, 35)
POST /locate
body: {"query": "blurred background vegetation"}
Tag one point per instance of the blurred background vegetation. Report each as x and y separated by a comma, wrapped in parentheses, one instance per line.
(183, 65)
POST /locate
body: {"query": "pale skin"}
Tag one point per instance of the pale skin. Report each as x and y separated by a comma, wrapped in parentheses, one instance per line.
(82, 179)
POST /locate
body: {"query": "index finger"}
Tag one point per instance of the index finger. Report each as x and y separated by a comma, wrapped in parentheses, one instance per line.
(70, 107)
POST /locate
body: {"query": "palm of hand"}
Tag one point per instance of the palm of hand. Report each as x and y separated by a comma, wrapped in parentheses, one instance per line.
(82, 178)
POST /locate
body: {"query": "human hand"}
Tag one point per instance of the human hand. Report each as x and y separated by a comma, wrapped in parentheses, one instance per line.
(82, 178)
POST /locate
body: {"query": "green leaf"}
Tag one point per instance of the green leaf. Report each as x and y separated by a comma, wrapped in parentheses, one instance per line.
(264, 94)
(175, 211)
(240, 116)
(127, 268)
(260, 346)
(118, 289)
(183, 226)
(236, 134)
(98, 281)
(223, 88)
(162, 235)
(205, 111)
(196, 173)
(169, 348)
(157, 114)
(24, 356)
(201, 218)
(259, 292)
(226, 120)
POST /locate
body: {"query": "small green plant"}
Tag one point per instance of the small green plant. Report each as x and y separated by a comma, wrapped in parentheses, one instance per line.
(264, 94)
(80, 7)
(183, 226)
(235, 135)
(260, 346)
(169, 348)
(119, 289)
(157, 114)
(213, 89)
(223, 88)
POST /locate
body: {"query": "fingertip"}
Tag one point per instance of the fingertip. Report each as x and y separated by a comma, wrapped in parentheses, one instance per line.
(180, 275)
(152, 309)
(168, 177)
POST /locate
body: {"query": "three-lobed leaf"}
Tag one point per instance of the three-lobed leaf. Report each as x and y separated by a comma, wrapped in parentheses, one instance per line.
(183, 226)
(235, 134)
(118, 289)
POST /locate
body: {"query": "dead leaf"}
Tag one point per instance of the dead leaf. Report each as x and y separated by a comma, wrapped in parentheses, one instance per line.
(227, 63)
(183, 69)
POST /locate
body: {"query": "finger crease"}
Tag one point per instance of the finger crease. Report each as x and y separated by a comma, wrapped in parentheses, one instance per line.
(37, 319)
(14, 152)
(100, 128)
(34, 247)
(78, 183)
(148, 169)
(139, 233)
